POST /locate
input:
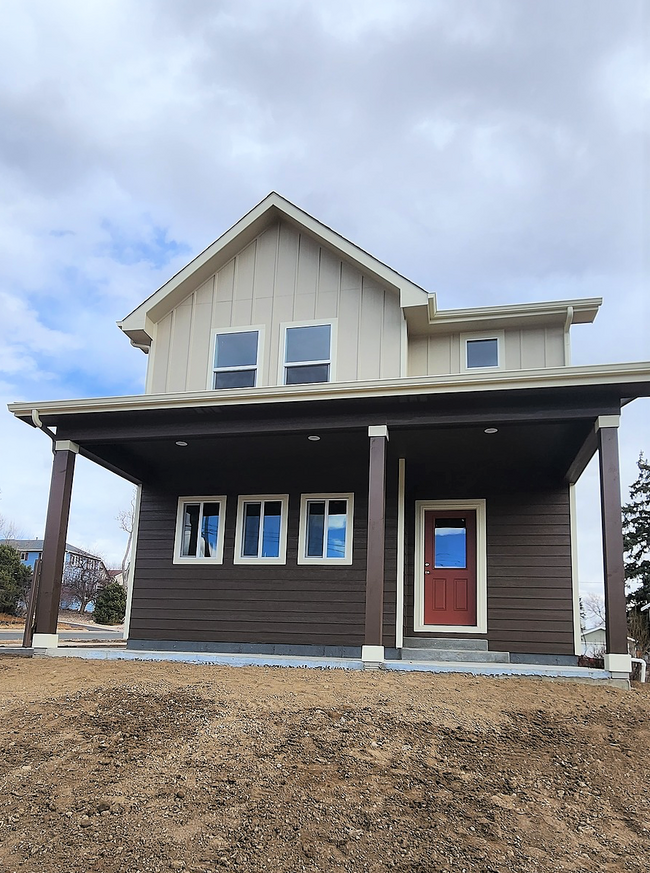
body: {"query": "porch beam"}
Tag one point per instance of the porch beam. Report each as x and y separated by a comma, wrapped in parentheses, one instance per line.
(92, 434)
(373, 645)
(54, 542)
(614, 571)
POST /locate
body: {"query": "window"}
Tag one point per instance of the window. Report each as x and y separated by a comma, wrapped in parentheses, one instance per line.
(325, 529)
(199, 530)
(261, 536)
(307, 354)
(236, 354)
(482, 351)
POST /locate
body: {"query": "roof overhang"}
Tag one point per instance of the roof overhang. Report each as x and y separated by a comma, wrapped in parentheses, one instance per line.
(138, 325)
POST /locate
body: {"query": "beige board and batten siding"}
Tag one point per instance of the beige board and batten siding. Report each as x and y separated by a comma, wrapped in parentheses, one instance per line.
(282, 276)
(525, 349)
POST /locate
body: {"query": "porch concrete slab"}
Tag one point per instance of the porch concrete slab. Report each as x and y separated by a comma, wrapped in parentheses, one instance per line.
(545, 670)
(114, 654)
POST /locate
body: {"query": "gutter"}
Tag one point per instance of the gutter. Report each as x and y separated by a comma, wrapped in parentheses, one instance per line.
(36, 420)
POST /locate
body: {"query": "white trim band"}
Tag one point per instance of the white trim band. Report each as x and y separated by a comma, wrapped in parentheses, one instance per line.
(607, 421)
(378, 430)
(618, 663)
(66, 446)
(45, 641)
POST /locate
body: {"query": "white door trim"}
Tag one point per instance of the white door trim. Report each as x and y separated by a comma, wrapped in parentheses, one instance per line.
(421, 506)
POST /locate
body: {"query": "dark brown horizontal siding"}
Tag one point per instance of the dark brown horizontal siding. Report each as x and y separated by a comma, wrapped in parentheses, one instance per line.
(241, 603)
(530, 597)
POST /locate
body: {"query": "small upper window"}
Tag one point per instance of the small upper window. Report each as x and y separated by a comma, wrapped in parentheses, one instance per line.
(235, 359)
(199, 530)
(482, 351)
(307, 354)
(325, 529)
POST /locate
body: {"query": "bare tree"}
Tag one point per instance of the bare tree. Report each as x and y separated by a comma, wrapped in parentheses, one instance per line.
(83, 576)
(126, 520)
(594, 607)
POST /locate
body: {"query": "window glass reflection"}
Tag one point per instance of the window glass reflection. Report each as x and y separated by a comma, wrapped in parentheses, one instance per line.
(190, 529)
(236, 349)
(210, 529)
(450, 547)
(252, 514)
(483, 353)
(308, 343)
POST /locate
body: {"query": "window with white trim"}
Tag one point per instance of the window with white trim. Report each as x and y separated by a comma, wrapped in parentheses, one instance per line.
(236, 355)
(326, 522)
(261, 535)
(482, 351)
(307, 354)
(200, 525)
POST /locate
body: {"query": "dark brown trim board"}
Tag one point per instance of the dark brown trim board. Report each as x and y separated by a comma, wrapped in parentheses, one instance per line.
(610, 499)
(376, 542)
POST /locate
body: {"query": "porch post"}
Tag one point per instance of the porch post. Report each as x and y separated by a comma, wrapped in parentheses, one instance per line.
(617, 659)
(56, 528)
(372, 652)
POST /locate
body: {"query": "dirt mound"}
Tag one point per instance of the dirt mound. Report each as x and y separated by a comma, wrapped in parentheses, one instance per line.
(145, 767)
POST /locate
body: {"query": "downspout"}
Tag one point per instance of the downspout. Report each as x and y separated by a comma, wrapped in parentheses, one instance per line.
(36, 421)
(567, 336)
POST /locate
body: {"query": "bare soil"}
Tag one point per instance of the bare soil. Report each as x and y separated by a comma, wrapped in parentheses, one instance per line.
(123, 766)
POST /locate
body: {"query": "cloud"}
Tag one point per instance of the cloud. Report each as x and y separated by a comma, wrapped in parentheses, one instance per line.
(491, 152)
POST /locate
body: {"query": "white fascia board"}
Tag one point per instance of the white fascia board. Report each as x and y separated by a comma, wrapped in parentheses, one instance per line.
(272, 208)
(508, 380)
(583, 311)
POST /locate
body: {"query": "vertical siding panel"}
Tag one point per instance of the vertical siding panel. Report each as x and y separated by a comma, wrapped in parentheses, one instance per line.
(282, 312)
(513, 350)
(417, 356)
(245, 273)
(225, 280)
(307, 278)
(199, 351)
(372, 305)
(266, 252)
(178, 359)
(287, 262)
(222, 314)
(454, 353)
(349, 324)
(262, 315)
(242, 312)
(554, 347)
(439, 355)
(532, 348)
(161, 354)
(327, 292)
(391, 345)
(304, 308)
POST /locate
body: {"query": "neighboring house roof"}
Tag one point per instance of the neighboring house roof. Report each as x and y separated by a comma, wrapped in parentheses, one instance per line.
(599, 629)
(138, 324)
(37, 546)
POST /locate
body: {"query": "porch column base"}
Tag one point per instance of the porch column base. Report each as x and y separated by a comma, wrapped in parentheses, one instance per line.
(618, 664)
(45, 641)
(372, 657)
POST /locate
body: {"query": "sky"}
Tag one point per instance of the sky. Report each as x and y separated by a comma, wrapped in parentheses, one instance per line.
(493, 151)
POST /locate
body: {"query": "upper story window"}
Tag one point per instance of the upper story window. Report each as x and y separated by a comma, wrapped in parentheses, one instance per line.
(482, 351)
(199, 530)
(307, 354)
(236, 356)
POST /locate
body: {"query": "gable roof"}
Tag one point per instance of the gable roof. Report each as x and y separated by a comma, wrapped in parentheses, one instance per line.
(138, 325)
(37, 546)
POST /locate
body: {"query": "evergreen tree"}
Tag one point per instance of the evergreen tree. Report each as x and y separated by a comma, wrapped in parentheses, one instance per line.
(15, 579)
(636, 537)
(110, 605)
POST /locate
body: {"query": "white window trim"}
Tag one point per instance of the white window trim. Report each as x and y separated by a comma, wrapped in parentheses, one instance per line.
(314, 322)
(421, 506)
(302, 533)
(259, 374)
(498, 335)
(238, 558)
(178, 538)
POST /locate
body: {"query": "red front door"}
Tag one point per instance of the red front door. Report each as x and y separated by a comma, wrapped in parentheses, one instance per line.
(450, 567)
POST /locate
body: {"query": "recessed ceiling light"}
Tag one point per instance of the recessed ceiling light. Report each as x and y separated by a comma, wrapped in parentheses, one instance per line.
(181, 443)
(313, 438)
(491, 430)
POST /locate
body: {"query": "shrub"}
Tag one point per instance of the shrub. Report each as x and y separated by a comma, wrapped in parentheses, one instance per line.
(15, 579)
(110, 604)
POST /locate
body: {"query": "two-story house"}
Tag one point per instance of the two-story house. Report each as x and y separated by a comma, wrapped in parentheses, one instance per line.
(329, 463)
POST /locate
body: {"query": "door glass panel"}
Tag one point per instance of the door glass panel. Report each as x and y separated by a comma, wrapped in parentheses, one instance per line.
(450, 542)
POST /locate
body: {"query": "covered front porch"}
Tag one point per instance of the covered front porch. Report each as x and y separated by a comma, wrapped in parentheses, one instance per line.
(513, 455)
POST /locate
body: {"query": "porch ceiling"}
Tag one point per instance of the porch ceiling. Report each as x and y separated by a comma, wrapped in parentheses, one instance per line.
(540, 433)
